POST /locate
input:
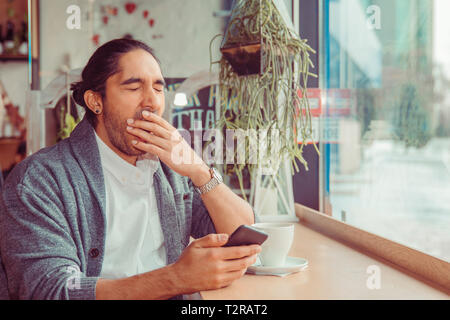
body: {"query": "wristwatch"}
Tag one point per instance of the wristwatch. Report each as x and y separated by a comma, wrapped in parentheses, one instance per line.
(216, 179)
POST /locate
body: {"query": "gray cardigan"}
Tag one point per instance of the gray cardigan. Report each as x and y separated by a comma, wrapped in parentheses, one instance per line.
(52, 220)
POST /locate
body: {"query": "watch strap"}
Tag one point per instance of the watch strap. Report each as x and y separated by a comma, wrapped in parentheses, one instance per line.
(216, 179)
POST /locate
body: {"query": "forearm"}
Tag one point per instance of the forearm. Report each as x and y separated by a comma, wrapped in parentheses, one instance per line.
(160, 284)
(227, 210)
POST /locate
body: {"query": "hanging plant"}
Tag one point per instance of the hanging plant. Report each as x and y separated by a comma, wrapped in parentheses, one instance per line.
(264, 73)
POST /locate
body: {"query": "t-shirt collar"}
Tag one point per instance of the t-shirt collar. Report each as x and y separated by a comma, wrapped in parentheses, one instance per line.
(122, 170)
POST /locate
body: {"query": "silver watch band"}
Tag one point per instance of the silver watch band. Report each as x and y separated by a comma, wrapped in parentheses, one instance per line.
(216, 179)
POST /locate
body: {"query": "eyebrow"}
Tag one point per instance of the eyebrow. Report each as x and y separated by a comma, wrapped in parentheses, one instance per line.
(139, 80)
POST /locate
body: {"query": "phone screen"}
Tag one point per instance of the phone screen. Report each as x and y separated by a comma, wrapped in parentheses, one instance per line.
(246, 235)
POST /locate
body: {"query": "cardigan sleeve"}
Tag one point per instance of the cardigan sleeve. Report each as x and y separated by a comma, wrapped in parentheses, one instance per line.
(39, 255)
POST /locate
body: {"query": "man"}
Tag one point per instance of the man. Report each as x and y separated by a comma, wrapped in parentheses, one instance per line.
(108, 213)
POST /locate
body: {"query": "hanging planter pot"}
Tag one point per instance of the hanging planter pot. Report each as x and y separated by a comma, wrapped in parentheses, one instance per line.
(245, 59)
(241, 45)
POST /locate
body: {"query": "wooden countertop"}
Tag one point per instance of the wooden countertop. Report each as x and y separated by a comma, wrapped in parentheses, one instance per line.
(335, 271)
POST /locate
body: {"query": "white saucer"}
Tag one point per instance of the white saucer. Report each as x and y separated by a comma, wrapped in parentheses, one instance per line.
(293, 264)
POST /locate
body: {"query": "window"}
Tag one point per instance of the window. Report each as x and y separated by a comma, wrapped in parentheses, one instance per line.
(385, 123)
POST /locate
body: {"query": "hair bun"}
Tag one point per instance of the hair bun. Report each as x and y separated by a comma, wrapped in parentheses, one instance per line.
(78, 93)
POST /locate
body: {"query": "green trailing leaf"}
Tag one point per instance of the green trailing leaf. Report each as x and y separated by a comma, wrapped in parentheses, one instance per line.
(67, 124)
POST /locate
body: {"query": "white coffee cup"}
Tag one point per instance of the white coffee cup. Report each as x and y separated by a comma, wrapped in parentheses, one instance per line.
(276, 248)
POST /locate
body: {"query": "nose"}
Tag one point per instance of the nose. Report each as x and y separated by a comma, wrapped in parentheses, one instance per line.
(152, 101)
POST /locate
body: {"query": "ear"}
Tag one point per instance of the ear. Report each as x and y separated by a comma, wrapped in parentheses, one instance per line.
(94, 101)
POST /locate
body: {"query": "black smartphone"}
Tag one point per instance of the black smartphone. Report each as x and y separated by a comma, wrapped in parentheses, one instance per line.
(246, 235)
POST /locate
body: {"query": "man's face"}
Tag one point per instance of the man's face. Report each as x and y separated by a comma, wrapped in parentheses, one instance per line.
(138, 86)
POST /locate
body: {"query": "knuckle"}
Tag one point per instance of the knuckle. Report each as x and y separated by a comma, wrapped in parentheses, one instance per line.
(240, 252)
(216, 268)
(147, 136)
(210, 254)
(213, 255)
(217, 282)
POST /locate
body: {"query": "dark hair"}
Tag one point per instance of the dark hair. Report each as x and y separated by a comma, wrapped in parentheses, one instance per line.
(103, 64)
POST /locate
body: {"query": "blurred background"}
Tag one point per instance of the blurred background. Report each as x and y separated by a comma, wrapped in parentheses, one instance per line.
(381, 103)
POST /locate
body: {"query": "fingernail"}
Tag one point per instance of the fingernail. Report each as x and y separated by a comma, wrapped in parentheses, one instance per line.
(146, 113)
(134, 142)
(129, 128)
(130, 121)
(223, 237)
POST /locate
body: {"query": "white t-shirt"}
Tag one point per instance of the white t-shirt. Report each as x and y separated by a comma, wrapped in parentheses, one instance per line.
(134, 237)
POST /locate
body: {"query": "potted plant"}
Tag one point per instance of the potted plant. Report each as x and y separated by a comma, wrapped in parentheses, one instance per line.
(263, 78)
